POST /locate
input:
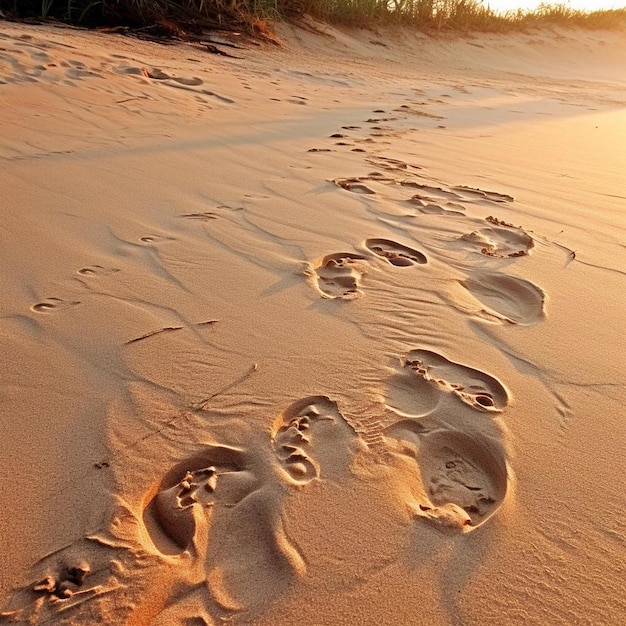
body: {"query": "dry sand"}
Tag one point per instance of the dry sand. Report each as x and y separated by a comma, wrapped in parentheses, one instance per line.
(327, 333)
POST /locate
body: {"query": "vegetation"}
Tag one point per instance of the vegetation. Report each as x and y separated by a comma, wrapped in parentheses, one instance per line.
(193, 15)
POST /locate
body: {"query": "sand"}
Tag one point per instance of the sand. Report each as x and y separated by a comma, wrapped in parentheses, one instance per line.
(330, 332)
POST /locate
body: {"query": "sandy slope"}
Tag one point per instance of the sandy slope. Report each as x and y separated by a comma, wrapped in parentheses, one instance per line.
(327, 333)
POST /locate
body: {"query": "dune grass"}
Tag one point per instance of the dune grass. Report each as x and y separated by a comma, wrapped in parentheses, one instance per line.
(189, 15)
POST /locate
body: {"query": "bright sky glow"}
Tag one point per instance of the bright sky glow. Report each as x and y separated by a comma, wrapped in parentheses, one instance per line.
(582, 5)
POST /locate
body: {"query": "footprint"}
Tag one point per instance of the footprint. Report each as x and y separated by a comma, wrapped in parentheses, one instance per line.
(76, 73)
(461, 471)
(172, 516)
(411, 395)
(517, 300)
(354, 185)
(436, 193)
(97, 270)
(472, 386)
(65, 583)
(65, 579)
(391, 164)
(429, 206)
(311, 439)
(498, 241)
(405, 108)
(156, 238)
(158, 74)
(221, 510)
(395, 253)
(464, 478)
(127, 70)
(483, 195)
(339, 275)
(53, 304)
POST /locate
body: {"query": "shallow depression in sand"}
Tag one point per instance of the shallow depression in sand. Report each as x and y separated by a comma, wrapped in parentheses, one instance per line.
(311, 439)
(339, 275)
(517, 300)
(460, 470)
(473, 386)
(501, 242)
(395, 253)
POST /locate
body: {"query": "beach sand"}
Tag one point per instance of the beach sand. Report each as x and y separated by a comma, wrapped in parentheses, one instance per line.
(330, 332)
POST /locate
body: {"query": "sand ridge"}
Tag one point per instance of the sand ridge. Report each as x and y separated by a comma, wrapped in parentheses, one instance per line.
(304, 336)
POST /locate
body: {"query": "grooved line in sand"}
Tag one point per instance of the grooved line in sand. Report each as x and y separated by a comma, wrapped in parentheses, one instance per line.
(199, 406)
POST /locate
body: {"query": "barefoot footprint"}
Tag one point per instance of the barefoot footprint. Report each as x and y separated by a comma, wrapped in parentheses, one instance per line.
(97, 270)
(474, 387)
(173, 515)
(395, 253)
(53, 304)
(464, 478)
(218, 515)
(462, 471)
(409, 395)
(518, 301)
(357, 184)
(498, 241)
(339, 275)
(65, 579)
(311, 439)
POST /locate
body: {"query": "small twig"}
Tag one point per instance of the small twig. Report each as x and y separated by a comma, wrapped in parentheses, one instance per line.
(151, 334)
(207, 323)
(215, 50)
(571, 253)
(164, 330)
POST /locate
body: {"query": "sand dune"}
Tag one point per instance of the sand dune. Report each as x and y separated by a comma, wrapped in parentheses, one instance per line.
(328, 333)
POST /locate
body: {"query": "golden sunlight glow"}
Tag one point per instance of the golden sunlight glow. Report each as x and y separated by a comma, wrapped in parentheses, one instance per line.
(582, 5)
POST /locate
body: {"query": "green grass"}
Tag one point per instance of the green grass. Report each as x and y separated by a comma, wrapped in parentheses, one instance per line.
(428, 15)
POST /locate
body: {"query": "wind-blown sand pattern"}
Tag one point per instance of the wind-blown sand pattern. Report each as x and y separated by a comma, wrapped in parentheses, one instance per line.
(325, 333)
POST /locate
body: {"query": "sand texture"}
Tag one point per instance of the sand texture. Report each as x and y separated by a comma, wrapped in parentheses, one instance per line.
(323, 333)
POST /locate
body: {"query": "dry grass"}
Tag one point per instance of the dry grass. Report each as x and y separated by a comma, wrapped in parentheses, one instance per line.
(429, 15)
